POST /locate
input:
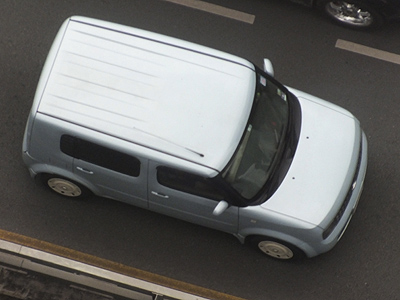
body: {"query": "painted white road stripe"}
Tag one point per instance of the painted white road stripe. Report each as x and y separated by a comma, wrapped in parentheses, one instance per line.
(368, 51)
(216, 9)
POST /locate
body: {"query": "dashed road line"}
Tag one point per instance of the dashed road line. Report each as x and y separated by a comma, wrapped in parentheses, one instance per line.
(368, 51)
(217, 10)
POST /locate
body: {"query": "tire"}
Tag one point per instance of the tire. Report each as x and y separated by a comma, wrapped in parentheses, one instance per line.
(276, 249)
(352, 13)
(64, 186)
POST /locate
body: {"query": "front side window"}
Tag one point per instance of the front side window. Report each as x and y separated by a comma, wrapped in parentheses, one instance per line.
(258, 152)
(100, 155)
(188, 183)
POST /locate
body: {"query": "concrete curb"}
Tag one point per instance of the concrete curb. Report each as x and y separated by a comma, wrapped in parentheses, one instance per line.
(84, 269)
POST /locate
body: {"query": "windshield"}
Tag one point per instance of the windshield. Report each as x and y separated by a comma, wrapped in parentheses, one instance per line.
(256, 155)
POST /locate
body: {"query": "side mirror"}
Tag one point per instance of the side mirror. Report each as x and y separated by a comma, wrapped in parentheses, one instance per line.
(220, 208)
(268, 68)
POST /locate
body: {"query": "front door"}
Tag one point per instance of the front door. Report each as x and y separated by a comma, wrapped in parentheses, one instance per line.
(188, 197)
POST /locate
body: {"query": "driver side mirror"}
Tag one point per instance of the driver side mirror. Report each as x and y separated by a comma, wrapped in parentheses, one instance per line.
(220, 208)
(268, 68)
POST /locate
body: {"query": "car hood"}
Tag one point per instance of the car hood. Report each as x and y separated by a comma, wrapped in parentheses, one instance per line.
(323, 166)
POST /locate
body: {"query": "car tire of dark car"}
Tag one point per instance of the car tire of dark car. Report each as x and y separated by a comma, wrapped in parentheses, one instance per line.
(64, 186)
(352, 13)
(276, 249)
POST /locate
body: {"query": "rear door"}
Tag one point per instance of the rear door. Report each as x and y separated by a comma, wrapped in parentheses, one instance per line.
(115, 174)
(188, 197)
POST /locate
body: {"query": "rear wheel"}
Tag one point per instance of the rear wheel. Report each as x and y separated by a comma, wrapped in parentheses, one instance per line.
(351, 13)
(64, 186)
(276, 249)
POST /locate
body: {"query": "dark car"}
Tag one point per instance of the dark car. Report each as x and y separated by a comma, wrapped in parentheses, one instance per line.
(358, 13)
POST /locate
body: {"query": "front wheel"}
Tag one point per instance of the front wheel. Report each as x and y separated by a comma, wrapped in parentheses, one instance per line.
(276, 249)
(351, 13)
(64, 186)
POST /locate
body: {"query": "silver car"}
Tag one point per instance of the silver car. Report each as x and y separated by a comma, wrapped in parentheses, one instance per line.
(194, 133)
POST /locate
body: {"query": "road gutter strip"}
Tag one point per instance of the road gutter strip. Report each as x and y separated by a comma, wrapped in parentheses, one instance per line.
(216, 9)
(83, 269)
(368, 51)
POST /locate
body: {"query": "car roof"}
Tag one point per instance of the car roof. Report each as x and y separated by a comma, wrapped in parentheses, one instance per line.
(172, 96)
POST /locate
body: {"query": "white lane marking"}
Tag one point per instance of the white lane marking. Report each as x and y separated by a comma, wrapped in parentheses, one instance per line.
(216, 9)
(368, 51)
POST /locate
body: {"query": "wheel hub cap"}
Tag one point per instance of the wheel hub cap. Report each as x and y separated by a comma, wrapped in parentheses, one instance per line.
(64, 187)
(275, 250)
(349, 13)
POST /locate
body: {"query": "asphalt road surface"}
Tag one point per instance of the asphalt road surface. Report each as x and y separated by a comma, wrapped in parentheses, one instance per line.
(306, 54)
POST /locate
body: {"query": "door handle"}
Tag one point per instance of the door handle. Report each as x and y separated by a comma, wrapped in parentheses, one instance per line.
(160, 195)
(84, 170)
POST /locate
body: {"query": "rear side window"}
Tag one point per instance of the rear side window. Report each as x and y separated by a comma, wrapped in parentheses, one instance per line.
(188, 183)
(100, 155)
